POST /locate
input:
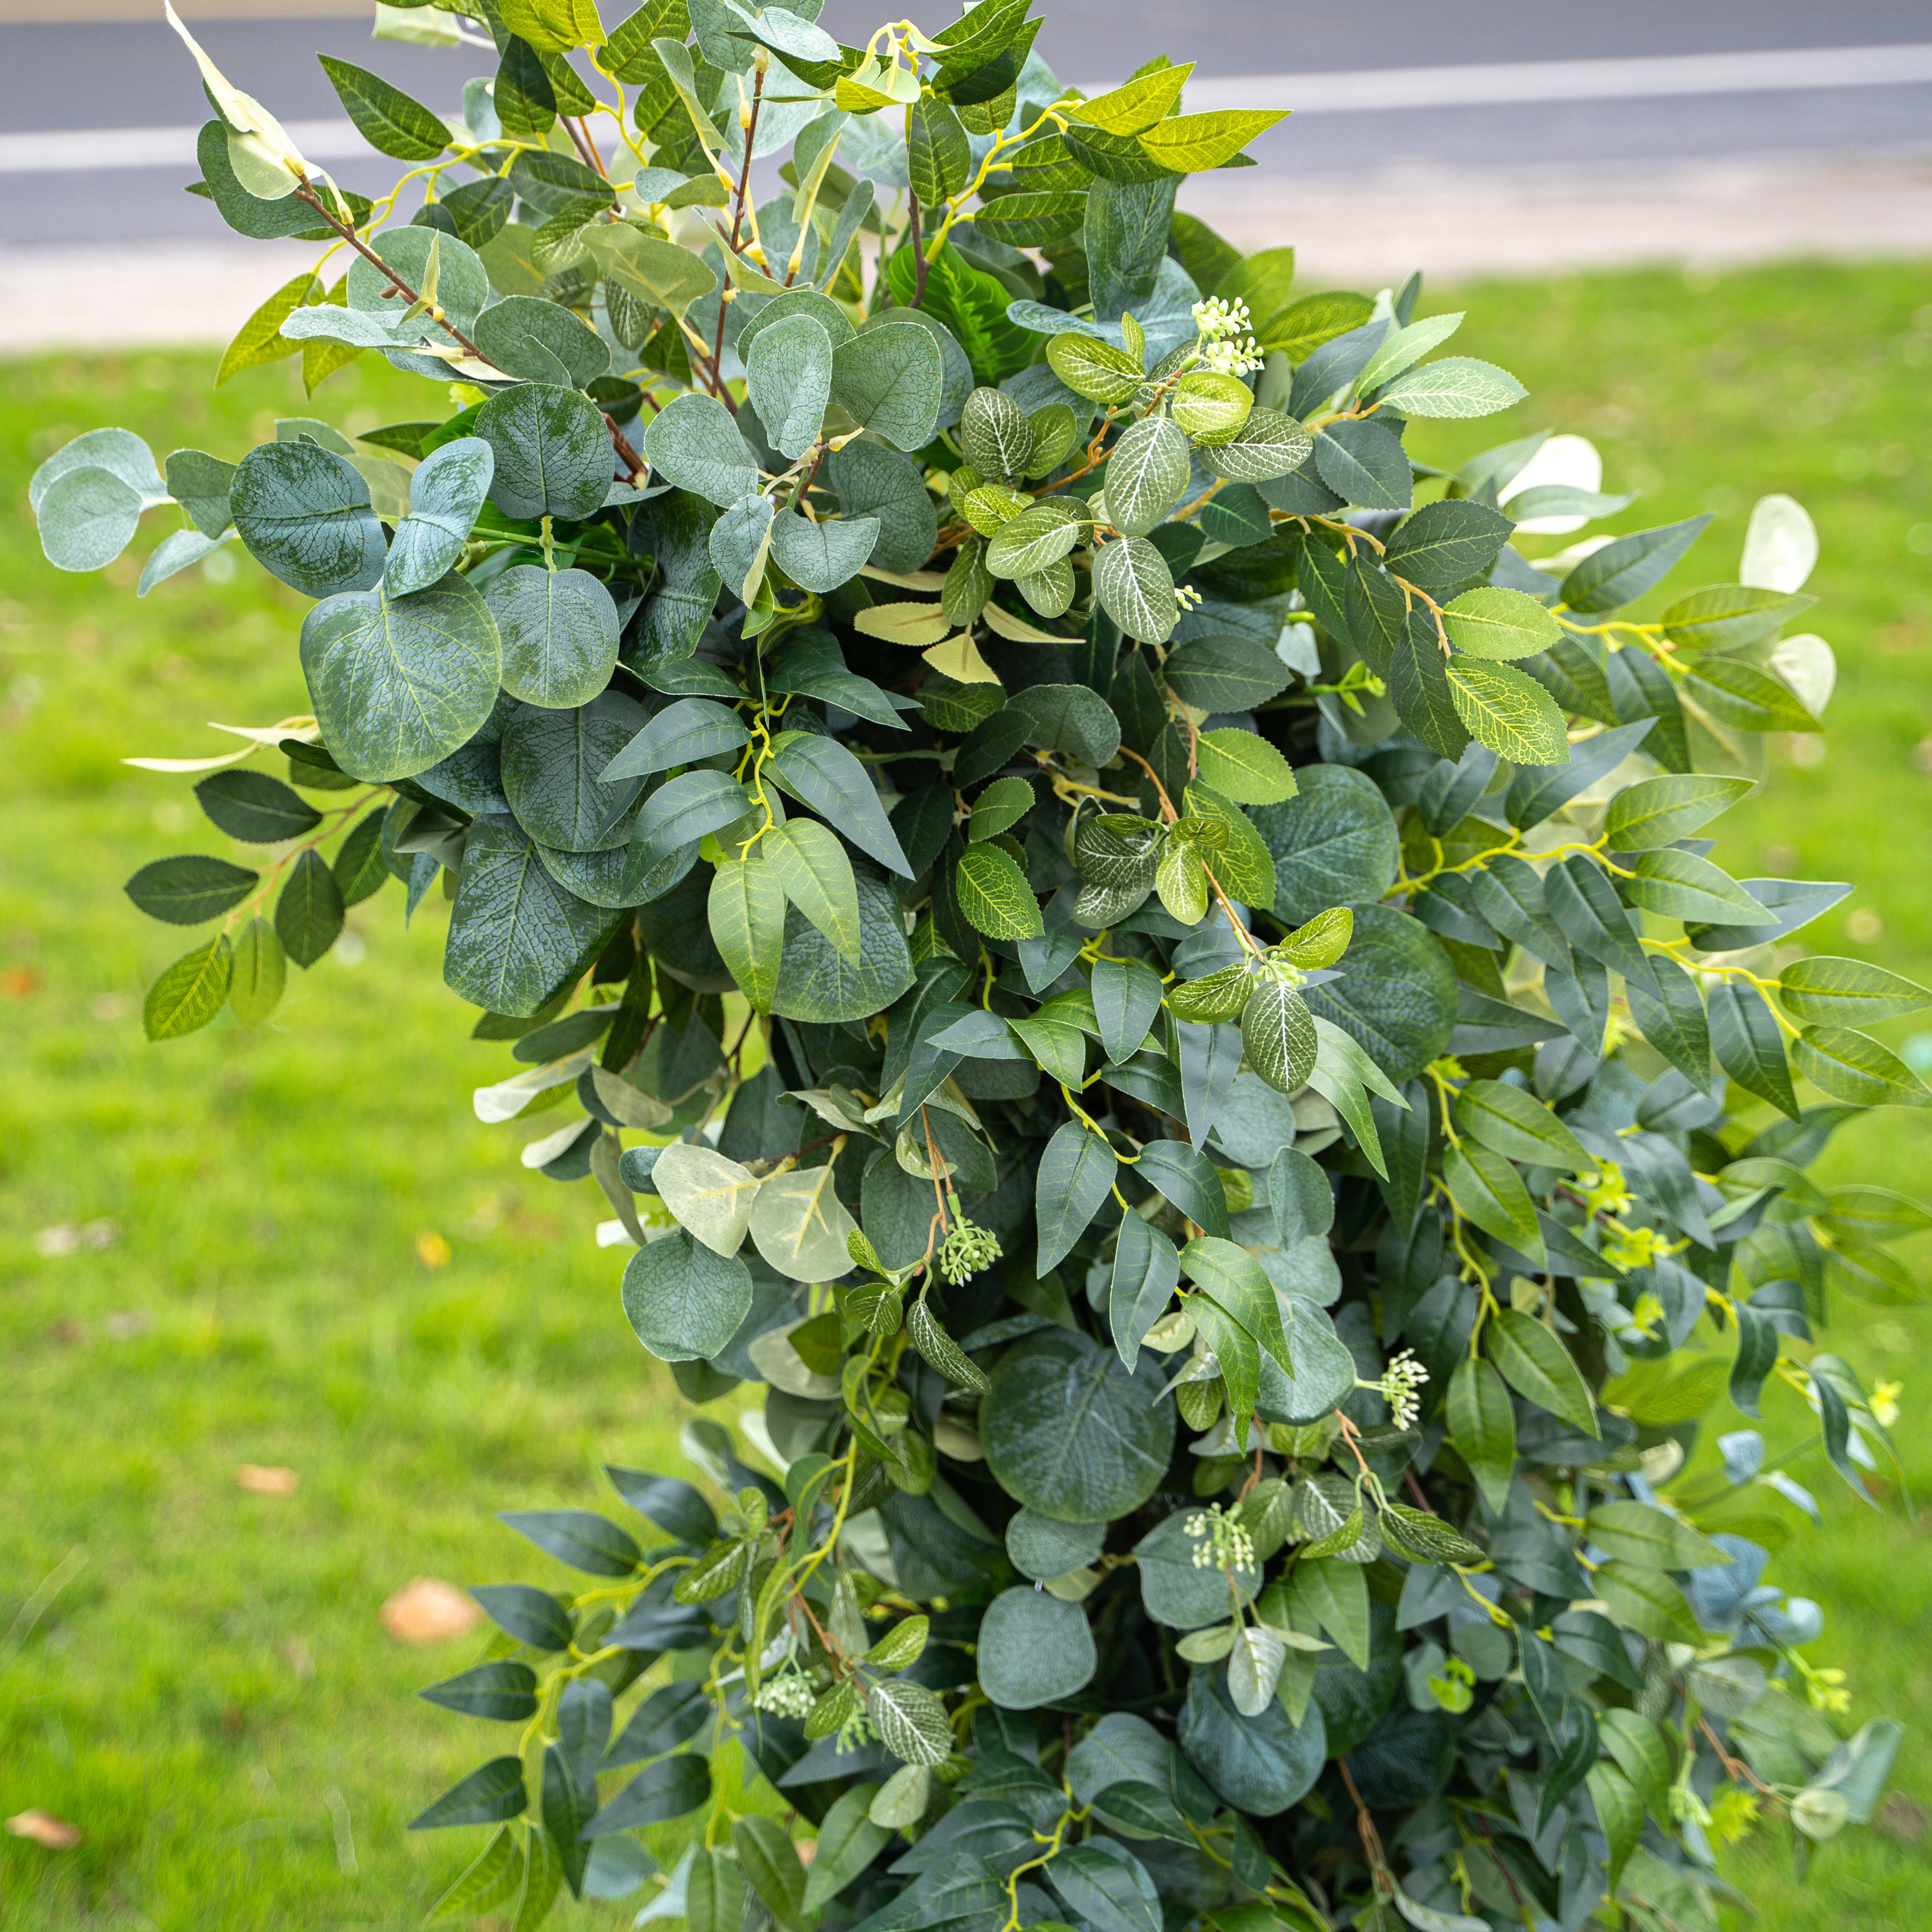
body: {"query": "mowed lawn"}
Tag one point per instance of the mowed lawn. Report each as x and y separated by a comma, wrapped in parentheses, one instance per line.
(299, 1248)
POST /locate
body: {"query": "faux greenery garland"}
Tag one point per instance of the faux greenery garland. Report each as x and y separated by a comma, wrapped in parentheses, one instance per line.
(1254, 1129)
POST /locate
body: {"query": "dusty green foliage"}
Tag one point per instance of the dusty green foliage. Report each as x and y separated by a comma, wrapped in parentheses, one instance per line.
(1246, 1141)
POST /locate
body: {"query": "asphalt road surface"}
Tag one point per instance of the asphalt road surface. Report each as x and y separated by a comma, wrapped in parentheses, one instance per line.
(72, 77)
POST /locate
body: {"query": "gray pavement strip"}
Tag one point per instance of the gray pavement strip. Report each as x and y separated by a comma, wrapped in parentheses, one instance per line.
(1455, 224)
(1365, 90)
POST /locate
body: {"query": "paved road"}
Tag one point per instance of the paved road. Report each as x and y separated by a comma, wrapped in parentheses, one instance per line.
(86, 76)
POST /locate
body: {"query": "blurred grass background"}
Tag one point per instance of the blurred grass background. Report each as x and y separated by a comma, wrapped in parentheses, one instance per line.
(299, 1248)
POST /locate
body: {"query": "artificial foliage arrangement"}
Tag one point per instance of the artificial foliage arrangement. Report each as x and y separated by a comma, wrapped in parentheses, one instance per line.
(1147, 991)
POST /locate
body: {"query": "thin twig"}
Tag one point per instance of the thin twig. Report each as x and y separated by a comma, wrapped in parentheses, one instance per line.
(921, 267)
(634, 463)
(1371, 1841)
(1735, 1767)
(737, 223)
(303, 192)
(580, 135)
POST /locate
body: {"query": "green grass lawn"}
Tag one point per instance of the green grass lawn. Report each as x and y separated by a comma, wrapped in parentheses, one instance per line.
(211, 1698)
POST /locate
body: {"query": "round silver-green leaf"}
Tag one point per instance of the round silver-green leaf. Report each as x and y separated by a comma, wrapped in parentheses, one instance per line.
(821, 557)
(559, 631)
(305, 514)
(872, 480)
(891, 378)
(693, 443)
(399, 683)
(1033, 1649)
(1069, 1432)
(683, 1302)
(87, 518)
(552, 452)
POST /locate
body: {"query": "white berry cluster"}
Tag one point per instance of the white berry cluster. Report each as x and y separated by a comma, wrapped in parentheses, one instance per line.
(1227, 346)
(789, 1696)
(1224, 1543)
(1401, 1380)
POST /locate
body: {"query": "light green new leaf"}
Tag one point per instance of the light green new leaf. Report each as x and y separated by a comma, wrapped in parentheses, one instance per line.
(1243, 867)
(707, 1195)
(554, 26)
(259, 339)
(1242, 765)
(746, 910)
(1490, 621)
(1094, 369)
(189, 992)
(1854, 1067)
(1507, 710)
(1833, 992)
(1402, 349)
(1137, 105)
(1191, 143)
(1210, 405)
(800, 1226)
(1180, 879)
(994, 896)
(1458, 386)
(808, 860)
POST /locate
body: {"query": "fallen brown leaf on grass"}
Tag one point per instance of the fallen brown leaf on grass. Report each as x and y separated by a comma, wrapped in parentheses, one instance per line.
(428, 1610)
(1899, 1818)
(261, 1479)
(44, 1828)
